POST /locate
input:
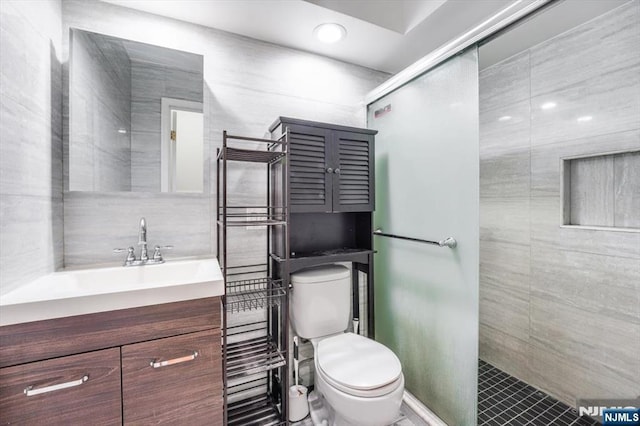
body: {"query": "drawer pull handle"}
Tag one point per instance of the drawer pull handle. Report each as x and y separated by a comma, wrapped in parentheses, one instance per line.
(191, 357)
(30, 391)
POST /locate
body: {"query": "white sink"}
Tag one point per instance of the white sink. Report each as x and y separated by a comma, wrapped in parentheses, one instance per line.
(84, 291)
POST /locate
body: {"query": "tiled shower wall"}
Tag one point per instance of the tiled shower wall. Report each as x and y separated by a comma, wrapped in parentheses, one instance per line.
(247, 84)
(560, 306)
(30, 144)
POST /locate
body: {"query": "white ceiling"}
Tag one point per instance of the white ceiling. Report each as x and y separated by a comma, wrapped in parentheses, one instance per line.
(386, 35)
(559, 17)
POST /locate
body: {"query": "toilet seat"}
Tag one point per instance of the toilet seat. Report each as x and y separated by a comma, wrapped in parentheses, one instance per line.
(358, 366)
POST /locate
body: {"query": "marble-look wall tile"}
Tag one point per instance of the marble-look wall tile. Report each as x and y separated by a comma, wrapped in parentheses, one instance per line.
(546, 159)
(590, 191)
(593, 50)
(606, 343)
(598, 106)
(31, 143)
(30, 238)
(506, 266)
(573, 378)
(627, 190)
(30, 98)
(505, 219)
(506, 82)
(247, 85)
(606, 285)
(505, 128)
(96, 223)
(507, 311)
(546, 228)
(506, 175)
(509, 352)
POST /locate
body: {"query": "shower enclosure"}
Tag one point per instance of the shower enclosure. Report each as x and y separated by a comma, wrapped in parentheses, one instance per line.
(426, 295)
(529, 157)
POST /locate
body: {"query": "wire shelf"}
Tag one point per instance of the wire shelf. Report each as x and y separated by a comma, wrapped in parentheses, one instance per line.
(252, 357)
(253, 216)
(255, 411)
(254, 221)
(252, 294)
(250, 155)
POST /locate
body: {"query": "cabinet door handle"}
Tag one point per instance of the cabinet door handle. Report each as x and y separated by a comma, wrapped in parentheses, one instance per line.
(30, 391)
(168, 362)
(329, 170)
(336, 171)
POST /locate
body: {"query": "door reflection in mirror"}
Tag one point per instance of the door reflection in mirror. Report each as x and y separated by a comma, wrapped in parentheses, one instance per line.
(116, 123)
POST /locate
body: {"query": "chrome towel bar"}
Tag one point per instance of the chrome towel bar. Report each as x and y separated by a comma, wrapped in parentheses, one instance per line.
(447, 242)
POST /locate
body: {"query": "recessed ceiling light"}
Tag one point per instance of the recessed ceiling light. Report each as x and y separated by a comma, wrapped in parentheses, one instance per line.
(123, 131)
(584, 118)
(330, 32)
(504, 118)
(548, 105)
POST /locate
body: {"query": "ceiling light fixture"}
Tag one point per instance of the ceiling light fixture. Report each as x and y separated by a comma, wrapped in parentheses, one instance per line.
(330, 32)
(548, 105)
(584, 119)
(504, 118)
(122, 131)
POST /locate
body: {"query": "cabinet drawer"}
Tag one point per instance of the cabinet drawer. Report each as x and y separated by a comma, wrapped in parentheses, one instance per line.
(76, 389)
(165, 382)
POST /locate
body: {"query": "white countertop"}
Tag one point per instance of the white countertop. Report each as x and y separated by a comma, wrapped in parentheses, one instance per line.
(87, 291)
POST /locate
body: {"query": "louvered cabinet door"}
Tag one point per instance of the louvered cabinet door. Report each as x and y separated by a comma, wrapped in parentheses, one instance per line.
(310, 174)
(353, 188)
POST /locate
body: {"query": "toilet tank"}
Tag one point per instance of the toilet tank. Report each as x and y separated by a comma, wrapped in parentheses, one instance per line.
(320, 301)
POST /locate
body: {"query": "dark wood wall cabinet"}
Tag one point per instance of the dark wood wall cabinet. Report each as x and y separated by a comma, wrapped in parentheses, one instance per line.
(331, 197)
(151, 365)
(331, 167)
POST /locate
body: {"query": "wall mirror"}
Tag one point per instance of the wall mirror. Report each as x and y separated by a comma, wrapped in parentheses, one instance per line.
(135, 117)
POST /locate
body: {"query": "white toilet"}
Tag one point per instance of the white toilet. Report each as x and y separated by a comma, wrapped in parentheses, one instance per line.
(359, 378)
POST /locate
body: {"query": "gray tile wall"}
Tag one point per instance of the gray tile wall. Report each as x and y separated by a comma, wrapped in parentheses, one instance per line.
(99, 157)
(31, 141)
(560, 306)
(603, 191)
(247, 84)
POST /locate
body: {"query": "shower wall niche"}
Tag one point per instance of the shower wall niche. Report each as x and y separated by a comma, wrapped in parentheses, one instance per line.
(602, 190)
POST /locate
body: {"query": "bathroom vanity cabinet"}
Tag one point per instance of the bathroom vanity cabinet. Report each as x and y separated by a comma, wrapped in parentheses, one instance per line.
(156, 364)
(331, 167)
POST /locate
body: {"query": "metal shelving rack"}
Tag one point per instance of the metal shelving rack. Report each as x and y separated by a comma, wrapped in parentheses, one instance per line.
(255, 351)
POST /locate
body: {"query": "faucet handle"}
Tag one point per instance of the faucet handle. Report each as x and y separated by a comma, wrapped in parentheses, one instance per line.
(131, 257)
(157, 255)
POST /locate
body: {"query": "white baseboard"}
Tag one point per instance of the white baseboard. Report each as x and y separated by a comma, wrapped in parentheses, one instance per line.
(422, 410)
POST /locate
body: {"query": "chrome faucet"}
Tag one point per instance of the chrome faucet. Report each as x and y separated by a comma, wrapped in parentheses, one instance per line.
(142, 240)
(144, 256)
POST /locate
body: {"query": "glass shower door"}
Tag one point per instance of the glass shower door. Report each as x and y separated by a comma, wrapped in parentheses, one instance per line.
(426, 296)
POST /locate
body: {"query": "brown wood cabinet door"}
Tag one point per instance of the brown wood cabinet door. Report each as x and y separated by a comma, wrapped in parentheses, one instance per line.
(72, 390)
(176, 380)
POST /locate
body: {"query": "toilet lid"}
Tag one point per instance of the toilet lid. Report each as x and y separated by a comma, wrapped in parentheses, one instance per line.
(357, 362)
